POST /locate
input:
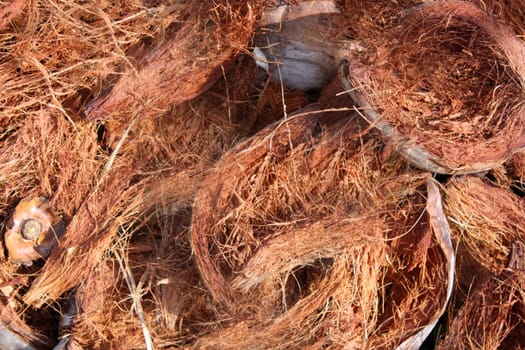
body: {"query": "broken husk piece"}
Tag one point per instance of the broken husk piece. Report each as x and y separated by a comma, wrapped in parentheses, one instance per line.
(486, 220)
(169, 73)
(282, 246)
(448, 94)
(487, 224)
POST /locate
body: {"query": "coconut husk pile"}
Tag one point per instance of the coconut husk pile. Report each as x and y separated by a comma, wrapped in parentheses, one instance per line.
(444, 83)
(255, 174)
(103, 178)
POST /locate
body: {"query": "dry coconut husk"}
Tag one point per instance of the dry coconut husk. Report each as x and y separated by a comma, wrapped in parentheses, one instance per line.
(105, 179)
(150, 276)
(492, 317)
(195, 52)
(305, 239)
(56, 53)
(37, 161)
(444, 84)
(485, 221)
(128, 241)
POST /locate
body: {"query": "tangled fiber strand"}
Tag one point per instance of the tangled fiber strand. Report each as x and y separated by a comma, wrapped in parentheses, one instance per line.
(37, 160)
(366, 20)
(282, 249)
(275, 101)
(87, 238)
(185, 64)
(167, 284)
(405, 89)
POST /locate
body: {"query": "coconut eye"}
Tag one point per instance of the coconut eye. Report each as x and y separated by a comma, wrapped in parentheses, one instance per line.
(34, 232)
(31, 229)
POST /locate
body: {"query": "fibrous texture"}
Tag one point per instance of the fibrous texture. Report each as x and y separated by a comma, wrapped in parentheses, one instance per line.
(444, 84)
(197, 50)
(217, 193)
(305, 239)
(488, 231)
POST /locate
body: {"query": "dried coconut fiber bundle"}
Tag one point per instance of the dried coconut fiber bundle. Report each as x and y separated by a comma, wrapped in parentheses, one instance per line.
(306, 239)
(444, 85)
(488, 228)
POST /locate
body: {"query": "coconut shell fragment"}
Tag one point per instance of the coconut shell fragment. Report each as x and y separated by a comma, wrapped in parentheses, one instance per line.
(33, 231)
(298, 43)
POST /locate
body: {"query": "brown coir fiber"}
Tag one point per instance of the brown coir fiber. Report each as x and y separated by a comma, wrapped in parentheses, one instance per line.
(37, 161)
(492, 316)
(57, 53)
(149, 275)
(444, 83)
(196, 52)
(305, 238)
(514, 13)
(127, 244)
(485, 221)
(180, 144)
